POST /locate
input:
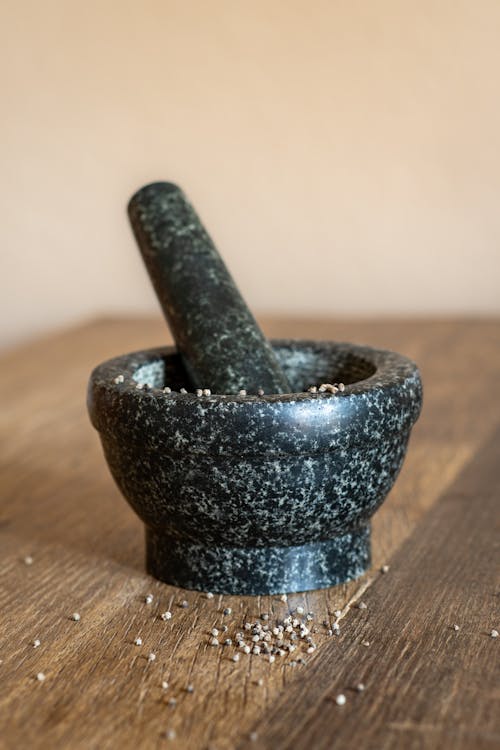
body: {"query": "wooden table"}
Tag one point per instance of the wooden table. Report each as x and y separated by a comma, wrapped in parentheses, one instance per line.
(427, 684)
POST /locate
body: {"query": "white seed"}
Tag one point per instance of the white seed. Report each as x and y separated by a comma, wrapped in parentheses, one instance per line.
(336, 627)
(362, 605)
(199, 391)
(338, 613)
(149, 598)
(256, 650)
(209, 595)
(365, 643)
(40, 677)
(360, 687)
(256, 638)
(214, 632)
(242, 392)
(384, 569)
(172, 702)
(260, 392)
(341, 387)
(207, 392)
(300, 610)
(36, 643)
(260, 681)
(227, 611)
(151, 656)
(253, 736)
(236, 657)
(246, 649)
(494, 633)
(164, 685)
(139, 386)
(75, 617)
(189, 688)
(311, 649)
(167, 389)
(456, 627)
(272, 659)
(166, 616)
(214, 642)
(183, 391)
(184, 604)
(322, 388)
(28, 560)
(312, 389)
(329, 632)
(340, 700)
(283, 598)
(170, 734)
(119, 379)
(138, 642)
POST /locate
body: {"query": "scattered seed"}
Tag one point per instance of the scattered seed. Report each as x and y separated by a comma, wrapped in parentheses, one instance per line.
(246, 649)
(360, 687)
(253, 736)
(167, 389)
(164, 685)
(300, 610)
(283, 598)
(75, 617)
(151, 656)
(119, 379)
(190, 689)
(228, 642)
(207, 392)
(338, 613)
(183, 391)
(494, 633)
(456, 627)
(224, 628)
(312, 389)
(172, 702)
(166, 616)
(362, 605)
(214, 632)
(149, 598)
(272, 658)
(264, 617)
(365, 643)
(311, 649)
(28, 560)
(199, 391)
(138, 642)
(214, 642)
(384, 569)
(170, 734)
(260, 682)
(236, 657)
(340, 700)
(184, 604)
(36, 643)
(341, 387)
(139, 386)
(256, 650)
(260, 392)
(209, 595)
(40, 677)
(227, 611)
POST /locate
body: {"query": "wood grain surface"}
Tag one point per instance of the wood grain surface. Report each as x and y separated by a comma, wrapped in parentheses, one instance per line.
(427, 685)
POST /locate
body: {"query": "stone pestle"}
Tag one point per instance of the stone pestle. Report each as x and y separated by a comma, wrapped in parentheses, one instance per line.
(220, 343)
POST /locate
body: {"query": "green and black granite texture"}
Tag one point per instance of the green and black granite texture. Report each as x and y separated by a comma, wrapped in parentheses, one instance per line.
(257, 494)
(221, 345)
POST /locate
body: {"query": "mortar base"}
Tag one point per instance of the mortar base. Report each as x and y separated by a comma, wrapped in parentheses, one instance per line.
(258, 570)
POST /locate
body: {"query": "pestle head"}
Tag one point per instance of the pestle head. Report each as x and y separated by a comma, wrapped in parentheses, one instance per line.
(220, 343)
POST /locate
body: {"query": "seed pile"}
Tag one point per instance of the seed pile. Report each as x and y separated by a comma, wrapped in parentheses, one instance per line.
(293, 633)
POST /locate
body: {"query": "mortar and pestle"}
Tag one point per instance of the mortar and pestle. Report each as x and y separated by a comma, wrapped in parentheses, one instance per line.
(246, 482)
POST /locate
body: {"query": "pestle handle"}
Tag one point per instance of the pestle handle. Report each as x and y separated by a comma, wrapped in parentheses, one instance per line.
(221, 345)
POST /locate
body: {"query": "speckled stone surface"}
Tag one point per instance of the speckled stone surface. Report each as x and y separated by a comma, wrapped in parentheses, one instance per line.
(255, 495)
(220, 342)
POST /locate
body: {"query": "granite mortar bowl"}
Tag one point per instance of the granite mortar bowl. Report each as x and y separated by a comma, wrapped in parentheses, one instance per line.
(257, 494)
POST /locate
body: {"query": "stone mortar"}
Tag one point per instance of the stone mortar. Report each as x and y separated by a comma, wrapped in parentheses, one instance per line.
(257, 494)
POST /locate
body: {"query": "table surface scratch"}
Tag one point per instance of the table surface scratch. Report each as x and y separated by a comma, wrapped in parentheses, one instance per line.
(427, 684)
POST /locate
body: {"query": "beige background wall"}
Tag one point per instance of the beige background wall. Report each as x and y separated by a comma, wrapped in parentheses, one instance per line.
(344, 155)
